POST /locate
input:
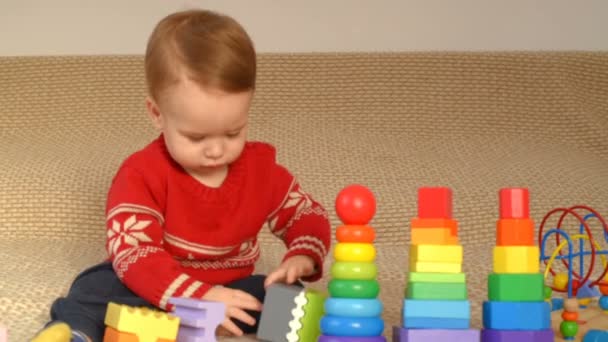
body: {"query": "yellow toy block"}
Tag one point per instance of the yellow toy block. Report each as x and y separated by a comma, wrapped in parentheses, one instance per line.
(451, 254)
(435, 267)
(149, 325)
(516, 259)
(432, 236)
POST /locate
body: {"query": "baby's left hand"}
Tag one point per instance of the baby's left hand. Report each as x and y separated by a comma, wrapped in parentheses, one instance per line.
(292, 269)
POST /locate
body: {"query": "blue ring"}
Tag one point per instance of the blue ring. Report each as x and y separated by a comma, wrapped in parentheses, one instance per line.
(353, 307)
(352, 326)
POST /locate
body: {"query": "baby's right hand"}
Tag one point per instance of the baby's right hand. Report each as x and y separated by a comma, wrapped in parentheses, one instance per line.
(236, 302)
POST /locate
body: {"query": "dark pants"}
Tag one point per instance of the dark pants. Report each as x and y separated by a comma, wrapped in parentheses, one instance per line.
(84, 308)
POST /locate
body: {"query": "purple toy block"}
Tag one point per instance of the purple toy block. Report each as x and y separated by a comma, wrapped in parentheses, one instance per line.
(326, 338)
(423, 335)
(490, 335)
(198, 319)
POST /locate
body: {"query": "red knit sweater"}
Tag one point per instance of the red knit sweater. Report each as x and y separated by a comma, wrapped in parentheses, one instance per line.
(168, 235)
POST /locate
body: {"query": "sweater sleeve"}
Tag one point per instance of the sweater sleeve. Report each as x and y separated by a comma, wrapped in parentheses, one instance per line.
(134, 226)
(299, 220)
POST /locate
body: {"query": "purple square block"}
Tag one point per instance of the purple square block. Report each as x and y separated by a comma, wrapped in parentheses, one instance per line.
(198, 319)
(490, 335)
(198, 313)
(327, 338)
(423, 335)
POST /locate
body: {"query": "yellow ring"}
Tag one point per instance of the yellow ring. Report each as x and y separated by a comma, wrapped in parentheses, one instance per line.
(573, 238)
(358, 252)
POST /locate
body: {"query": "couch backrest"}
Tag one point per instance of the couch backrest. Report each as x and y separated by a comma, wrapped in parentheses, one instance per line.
(392, 121)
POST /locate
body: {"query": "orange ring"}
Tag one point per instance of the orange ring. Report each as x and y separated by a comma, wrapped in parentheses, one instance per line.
(360, 234)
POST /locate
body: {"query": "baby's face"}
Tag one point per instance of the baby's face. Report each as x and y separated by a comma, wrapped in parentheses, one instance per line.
(205, 129)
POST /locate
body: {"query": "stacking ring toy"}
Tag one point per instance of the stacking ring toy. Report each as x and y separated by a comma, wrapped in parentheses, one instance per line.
(358, 252)
(356, 288)
(354, 270)
(326, 338)
(361, 234)
(353, 307)
(352, 326)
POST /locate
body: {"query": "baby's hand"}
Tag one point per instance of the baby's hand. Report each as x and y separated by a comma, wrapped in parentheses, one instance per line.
(236, 302)
(292, 269)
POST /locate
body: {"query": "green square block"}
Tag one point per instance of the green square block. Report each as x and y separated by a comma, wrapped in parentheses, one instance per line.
(420, 277)
(522, 287)
(436, 291)
(313, 312)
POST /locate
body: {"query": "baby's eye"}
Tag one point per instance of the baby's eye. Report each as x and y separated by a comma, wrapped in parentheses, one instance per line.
(196, 138)
(234, 134)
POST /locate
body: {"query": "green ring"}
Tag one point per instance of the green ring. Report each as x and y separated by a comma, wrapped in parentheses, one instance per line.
(354, 270)
(344, 288)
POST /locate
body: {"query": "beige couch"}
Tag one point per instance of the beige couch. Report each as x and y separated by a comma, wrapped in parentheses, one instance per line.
(392, 121)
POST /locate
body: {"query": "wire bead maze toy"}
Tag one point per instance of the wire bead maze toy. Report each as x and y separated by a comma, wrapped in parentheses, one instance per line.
(572, 281)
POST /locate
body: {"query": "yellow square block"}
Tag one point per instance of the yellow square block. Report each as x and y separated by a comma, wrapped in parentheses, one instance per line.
(435, 267)
(437, 253)
(432, 236)
(149, 325)
(516, 259)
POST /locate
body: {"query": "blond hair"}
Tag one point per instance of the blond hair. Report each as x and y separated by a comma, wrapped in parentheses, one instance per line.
(209, 48)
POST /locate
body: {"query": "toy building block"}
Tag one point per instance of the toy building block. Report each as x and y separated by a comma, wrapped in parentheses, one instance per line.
(436, 291)
(434, 202)
(596, 336)
(3, 334)
(435, 223)
(516, 315)
(113, 335)
(198, 318)
(514, 203)
(146, 324)
(516, 259)
(515, 232)
(585, 291)
(490, 335)
(435, 267)
(436, 323)
(510, 287)
(436, 308)
(291, 313)
(432, 236)
(417, 277)
(436, 253)
(427, 335)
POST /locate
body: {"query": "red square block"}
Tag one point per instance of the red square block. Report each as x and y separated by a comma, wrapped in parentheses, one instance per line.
(434, 203)
(514, 203)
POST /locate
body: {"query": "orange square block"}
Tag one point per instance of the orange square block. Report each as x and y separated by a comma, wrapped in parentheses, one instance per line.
(515, 232)
(113, 335)
(436, 223)
(432, 236)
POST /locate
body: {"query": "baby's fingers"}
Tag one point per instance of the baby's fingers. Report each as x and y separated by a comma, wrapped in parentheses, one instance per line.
(276, 276)
(229, 325)
(244, 300)
(241, 316)
(292, 275)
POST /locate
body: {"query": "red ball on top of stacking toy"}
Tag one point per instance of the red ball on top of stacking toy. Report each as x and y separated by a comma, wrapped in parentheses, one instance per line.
(355, 205)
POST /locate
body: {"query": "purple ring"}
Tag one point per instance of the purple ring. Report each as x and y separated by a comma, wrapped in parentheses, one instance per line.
(325, 338)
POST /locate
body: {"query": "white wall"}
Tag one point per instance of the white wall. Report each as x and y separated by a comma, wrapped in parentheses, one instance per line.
(30, 27)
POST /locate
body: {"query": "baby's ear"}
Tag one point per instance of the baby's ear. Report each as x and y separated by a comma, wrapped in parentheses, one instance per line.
(154, 112)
